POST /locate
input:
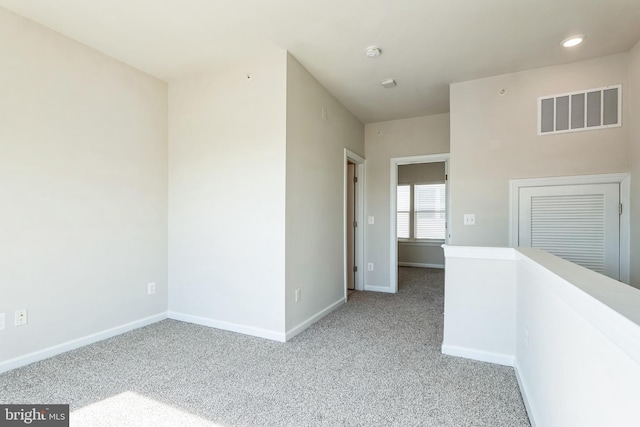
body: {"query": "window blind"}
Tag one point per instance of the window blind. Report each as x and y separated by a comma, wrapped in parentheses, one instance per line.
(403, 206)
(430, 211)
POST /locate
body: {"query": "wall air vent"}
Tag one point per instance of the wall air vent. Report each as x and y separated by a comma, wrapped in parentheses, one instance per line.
(584, 110)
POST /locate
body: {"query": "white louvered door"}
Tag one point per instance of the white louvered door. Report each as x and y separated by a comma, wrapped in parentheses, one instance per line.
(580, 223)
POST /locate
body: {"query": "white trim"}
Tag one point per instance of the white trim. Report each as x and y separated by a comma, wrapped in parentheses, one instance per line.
(625, 198)
(625, 230)
(420, 264)
(359, 217)
(523, 391)
(45, 353)
(393, 184)
(478, 252)
(228, 326)
(313, 319)
(383, 289)
(483, 356)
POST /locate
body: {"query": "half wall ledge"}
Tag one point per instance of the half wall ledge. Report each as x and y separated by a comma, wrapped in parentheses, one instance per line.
(572, 335)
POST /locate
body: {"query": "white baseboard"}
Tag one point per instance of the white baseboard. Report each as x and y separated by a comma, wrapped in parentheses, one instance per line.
(523, 391)
(313, 319)
(379, 289)
(483, 356)
(228, 326)
(420, 264)
(46, 353)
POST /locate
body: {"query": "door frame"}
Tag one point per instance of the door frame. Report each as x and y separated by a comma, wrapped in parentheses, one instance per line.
(393, 189)
(622, 179)
(350, 156)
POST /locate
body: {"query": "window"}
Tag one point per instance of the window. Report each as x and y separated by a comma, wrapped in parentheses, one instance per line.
(429, 208)
(421, 211)
(404, 211)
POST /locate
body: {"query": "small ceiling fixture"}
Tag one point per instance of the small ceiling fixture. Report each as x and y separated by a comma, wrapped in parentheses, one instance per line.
(388, 83)
(373, 52)
(572, 41)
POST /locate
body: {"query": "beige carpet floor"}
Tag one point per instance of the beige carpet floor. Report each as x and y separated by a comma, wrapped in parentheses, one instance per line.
(375, 361)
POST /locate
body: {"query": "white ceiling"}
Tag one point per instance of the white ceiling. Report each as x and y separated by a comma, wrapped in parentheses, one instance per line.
(426, 44)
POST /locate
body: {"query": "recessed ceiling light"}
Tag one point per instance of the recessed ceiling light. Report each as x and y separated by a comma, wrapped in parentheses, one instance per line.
(373, 51)
(388, 83)
(572, 41)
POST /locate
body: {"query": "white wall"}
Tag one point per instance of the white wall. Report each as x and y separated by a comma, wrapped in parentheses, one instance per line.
(573, 335)
(633, 101)
(494, 139)
(83, 166)
(480, 304)
(315, 195)
(227, 153)
(418, 254)
(383, 141)
(578, 360)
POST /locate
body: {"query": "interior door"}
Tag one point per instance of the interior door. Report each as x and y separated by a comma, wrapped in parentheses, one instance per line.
(580, 223)
(351, 226)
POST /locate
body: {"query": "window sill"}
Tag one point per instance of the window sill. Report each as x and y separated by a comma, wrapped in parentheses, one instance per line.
(433, 242)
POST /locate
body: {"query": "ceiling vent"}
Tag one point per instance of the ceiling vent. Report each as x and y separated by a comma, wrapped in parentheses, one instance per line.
(577, 111)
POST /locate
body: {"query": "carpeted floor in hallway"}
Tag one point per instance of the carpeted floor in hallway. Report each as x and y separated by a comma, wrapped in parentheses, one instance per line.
(375, 361)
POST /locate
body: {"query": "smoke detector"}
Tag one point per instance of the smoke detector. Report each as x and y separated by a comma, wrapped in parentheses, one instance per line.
(373, 52)
(388, 83)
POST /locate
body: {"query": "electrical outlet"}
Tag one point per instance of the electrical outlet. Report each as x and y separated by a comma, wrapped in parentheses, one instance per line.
(370, 266)
(21, 317)
(3, 321)
(151, 288)
(298, 295)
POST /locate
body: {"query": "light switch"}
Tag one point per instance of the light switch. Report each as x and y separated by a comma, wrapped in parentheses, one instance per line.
(370, 220)
(469, 219)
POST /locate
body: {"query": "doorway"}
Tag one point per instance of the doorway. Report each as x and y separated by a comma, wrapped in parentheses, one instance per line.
(352, 226)
(425, 193)
(353, 222)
